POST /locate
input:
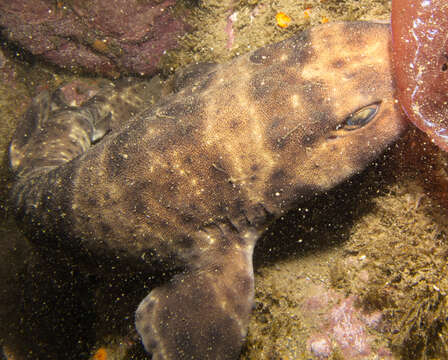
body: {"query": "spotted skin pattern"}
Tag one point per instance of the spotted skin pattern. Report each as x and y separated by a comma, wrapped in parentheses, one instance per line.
(191, 183)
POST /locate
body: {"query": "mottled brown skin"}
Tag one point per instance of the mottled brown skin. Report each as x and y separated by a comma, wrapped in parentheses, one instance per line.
(190, 184)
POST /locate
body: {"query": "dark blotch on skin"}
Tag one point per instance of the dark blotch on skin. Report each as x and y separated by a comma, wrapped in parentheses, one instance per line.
(186, 218)
(297, 48)
(92, 202)
(264, 56)
(356, 33)
(244, 284)
(308, 140)
(338, 63)
(276, 132)
(234, 124)
(105, 228)
(140, 207)
(221, 208)
(313, 93)
(321, 118)
(302, 52)
(277, 175)
(116, 165)
(262, 85)
(181, 109)
(194, 75)
(186, 242)
(147, 330)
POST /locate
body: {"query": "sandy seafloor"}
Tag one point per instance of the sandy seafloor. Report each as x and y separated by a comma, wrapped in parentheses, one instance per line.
(357, 273)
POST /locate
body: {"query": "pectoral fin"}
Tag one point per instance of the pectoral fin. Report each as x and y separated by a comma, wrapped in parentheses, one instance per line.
(202, 314)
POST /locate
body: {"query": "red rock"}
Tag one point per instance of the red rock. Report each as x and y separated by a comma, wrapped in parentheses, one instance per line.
(105, 37)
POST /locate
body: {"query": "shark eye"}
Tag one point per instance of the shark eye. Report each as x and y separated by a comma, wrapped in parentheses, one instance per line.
(360, 118)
